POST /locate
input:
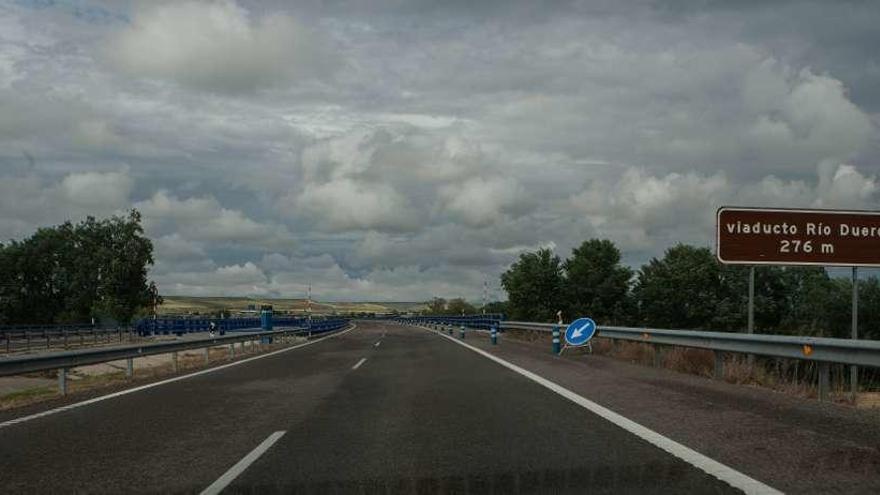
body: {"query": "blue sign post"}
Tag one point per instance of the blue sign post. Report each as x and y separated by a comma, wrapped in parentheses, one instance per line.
(579, 333)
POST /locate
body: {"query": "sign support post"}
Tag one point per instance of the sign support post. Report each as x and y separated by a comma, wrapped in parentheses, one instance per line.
(854, 370)
(751, 325)
(752, 299)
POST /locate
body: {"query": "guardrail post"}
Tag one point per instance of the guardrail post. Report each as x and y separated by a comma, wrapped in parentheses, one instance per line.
(824, 381)
(659, 352)
(207, 355)
(494, 334)
(461, 332)
(719, 365)
(175, 362)
(129, 368)
(62, 381)
(232, 351)
(556, 346)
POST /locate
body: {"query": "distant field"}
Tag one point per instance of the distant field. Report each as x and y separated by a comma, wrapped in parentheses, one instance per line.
(202, 305)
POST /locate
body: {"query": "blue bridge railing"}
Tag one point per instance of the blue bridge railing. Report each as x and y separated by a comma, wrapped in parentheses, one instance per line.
(167, 326)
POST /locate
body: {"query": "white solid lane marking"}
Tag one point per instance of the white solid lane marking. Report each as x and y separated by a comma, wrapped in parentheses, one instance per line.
(163, 382)
(359, 363)
(239, 467)
(724, 473)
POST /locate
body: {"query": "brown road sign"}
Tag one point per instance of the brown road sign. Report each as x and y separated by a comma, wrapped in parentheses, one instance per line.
(798, 237)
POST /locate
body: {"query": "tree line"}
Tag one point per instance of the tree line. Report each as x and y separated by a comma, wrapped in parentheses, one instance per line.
(686, 288)
(72, 273)
(452, 307)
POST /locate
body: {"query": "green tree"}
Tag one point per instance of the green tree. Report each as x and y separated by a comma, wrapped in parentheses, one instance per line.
(38, 276)
(497, 307)
(596, 284)
(436, 306)
(770, 298)
(869, 309)
(459, 306)
(73, 272)
(681, 290)
(534, 286)
(807, 295)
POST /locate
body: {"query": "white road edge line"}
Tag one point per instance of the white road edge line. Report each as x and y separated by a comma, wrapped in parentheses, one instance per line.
(239, 467)
(359, 363)
(724, 473)
(163, 382)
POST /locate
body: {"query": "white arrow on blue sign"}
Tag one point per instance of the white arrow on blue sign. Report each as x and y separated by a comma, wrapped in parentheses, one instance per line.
(580, 331)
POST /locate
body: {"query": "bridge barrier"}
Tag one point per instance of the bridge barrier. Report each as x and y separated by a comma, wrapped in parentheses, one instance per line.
(822, 351)
(43, 337)
(63, 361)
(166, 326)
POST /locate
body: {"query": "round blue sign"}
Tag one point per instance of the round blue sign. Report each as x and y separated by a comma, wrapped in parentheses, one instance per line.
(580, 331)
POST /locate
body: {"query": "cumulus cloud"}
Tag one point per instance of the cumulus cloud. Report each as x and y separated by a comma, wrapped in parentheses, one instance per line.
(345, 204)
(399, 179)
(204, 219)
(478, 202)
(97, 190)
(274, 145)
(843, 186)
(29, 200)
(641, 210)
(801, 116)
(218, 46)
(175, 247)
(246, 278)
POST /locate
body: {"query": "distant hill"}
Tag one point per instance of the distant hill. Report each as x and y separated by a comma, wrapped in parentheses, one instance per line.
(206, 305)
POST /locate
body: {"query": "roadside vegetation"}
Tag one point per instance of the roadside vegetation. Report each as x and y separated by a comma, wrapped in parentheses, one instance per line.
(72, 273)
(686, 288)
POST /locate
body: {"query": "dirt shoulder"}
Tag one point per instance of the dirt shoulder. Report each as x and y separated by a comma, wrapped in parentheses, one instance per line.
(38, 391)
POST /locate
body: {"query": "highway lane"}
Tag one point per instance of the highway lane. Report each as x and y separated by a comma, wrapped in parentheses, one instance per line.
(415, 413)
(176, 437)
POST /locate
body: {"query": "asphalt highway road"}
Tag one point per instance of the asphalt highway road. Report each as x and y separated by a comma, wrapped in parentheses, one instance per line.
(379, 409)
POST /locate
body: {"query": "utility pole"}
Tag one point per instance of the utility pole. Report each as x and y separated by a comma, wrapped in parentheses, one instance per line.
(485, 294)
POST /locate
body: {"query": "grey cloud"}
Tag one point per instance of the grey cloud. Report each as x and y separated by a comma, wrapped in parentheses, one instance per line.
(218, 46)
(410, 150)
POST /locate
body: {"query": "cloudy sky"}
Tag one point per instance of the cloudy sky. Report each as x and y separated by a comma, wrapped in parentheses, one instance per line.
(397, 150)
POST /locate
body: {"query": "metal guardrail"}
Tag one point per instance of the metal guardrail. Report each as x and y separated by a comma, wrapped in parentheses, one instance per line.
(842, 351)
(63, 361)
(47, 337)
(823, 351)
